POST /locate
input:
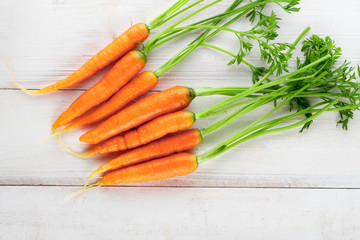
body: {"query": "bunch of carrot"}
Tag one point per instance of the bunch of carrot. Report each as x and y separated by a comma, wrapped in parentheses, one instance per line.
(155, 130)
(167, 157)
(158, 112)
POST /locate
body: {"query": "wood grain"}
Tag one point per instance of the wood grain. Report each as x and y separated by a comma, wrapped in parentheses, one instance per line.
(42, 51)
(324, 156)
(179, 213)
(45, 51)
(281, 186)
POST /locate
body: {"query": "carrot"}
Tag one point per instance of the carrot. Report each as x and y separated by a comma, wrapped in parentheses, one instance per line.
(185, 163)
(185, 51)
(162, 168)
(171, 166)
(153, 43)
(116, 49)
(157, 104)
(146, 133)
(165, 124)
(165, 146)
(138, 86)
(126, 42)
(177, 142)
(118, 76)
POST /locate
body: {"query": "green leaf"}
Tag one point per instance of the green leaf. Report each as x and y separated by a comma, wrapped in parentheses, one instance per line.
(232, 61)
(251, 15)
(240, 57)
(247, 46)
(290, 7)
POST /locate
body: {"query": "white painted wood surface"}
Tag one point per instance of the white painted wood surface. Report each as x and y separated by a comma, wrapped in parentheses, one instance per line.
(180, 213)
(230, 196)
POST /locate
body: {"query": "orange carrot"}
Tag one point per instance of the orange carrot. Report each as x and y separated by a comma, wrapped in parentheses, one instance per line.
(146, 133)
(165, 146)
(118, 76)
(171, 166)
(162, 168)
(155, 105)
(138, 86)
(112, 52)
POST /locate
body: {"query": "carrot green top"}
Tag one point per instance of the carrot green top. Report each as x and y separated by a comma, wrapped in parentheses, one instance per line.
(263, 30)
(319, 84)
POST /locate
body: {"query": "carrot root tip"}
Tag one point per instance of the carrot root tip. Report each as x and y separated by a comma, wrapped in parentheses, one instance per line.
(67, 148)
(83, 190)
(91, 176)
(53, 135)
(17, 84)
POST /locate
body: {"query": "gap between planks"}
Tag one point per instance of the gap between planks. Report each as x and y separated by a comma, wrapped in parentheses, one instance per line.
(60, 90)
(187, 187)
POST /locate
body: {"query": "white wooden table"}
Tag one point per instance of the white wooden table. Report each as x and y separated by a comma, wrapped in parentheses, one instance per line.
(281, 186)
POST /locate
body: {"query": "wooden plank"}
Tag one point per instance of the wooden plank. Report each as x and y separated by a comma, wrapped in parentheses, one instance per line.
(229, 197)
(324, 156)
(178, 213)
(45, 51)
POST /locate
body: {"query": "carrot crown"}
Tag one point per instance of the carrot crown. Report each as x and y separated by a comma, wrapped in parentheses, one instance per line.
(142, 55)
(318, 85)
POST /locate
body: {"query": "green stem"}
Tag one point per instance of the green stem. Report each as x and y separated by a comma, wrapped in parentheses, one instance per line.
(274, 122)
(216, 27)
(284, 79)
(227, 52)
(239, 137)
(203, 38)
(247, 93)
(159, 20)
(298, 124)
(164, 20)
(242, 33)
(225, 121)
(347, 107)
(279, 120)
(146, 48)
(228, 13)
(230, 118)
(218, 48)
(231, 91)
(183, 53)
(275, 94)
(174, 34)
(272, 70)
